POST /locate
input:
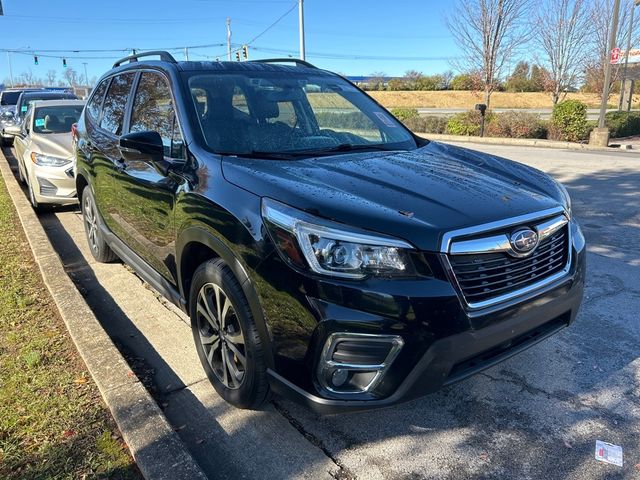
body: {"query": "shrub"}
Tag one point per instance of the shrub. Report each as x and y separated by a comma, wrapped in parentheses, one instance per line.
(403, 114)
(623, 124)
(516, 124)
(427, 124)
(464, 81)
(467, 123)
(569, 121)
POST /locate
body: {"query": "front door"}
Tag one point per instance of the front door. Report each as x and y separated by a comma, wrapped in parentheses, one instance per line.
(146, 198)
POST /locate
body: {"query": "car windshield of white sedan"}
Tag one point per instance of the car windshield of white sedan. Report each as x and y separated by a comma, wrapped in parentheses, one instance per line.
(56, 119)
(254, 113)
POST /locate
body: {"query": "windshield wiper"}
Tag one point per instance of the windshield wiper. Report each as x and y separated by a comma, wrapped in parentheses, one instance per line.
(344, 147)
(265, 155)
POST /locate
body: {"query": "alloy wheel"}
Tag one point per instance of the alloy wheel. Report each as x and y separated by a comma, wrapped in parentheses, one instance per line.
(91, 220)
(221, 336)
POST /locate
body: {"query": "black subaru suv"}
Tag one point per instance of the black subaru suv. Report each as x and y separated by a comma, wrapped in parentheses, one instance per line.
(321, 250)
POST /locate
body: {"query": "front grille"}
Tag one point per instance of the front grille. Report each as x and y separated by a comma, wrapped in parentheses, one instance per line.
(486, 276)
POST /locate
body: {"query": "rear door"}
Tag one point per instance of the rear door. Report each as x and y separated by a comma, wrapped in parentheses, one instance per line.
(145, 198)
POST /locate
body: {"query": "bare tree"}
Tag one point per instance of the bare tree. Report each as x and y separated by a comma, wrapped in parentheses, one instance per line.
(71, 76)
(28, 78)
(51, 77)
(561, 33)
(489, 32)
(598, 54)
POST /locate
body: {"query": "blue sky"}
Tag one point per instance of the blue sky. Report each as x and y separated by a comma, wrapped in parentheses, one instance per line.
(399, 28)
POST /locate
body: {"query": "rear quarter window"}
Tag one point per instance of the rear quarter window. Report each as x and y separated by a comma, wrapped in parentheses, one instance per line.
(94, 107)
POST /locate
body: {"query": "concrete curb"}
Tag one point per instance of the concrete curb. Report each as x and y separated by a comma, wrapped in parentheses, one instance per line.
(522, 142)
(155, 446)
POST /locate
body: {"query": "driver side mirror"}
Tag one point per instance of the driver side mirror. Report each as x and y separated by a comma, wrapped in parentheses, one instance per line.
(144, 146)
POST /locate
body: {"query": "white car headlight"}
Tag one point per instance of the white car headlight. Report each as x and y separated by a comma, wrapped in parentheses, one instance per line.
(48, 160)
(332, 249)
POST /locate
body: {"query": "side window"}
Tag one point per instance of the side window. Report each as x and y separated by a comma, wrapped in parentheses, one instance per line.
(286, 114)
(336, 113)
(95, 104)
(153, 110)
(115, 103)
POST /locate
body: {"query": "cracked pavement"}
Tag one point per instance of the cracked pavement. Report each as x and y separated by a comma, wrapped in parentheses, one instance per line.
(537, 415)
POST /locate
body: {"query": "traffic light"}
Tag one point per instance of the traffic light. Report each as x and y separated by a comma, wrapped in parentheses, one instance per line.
(237, 56)
(64, 63)
(35, 60)
(245, 52)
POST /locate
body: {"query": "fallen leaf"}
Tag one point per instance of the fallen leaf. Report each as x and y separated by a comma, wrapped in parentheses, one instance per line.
(68, 433)
(80, 380)
(131, 374)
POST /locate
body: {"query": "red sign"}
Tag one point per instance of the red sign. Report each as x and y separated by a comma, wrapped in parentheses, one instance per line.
(615, 55)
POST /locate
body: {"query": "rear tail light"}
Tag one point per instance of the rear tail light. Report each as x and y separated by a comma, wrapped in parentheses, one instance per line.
(353, 363)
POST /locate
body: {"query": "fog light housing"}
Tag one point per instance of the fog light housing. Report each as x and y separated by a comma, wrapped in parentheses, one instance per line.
(353, 363)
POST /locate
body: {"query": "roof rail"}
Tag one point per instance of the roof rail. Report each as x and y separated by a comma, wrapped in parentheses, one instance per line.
(297, 61)
(164, 56)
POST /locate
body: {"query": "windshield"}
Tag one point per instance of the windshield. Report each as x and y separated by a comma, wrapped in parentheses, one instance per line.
(9, 98)
(56, 119)
(33, 97)
(271, 113)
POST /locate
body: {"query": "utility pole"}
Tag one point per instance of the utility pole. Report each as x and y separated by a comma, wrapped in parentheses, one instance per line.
(301, 27)
(86, 77)
(600, 135)
(186, 53)
(228, 39)
(626, 59)
(10, 69)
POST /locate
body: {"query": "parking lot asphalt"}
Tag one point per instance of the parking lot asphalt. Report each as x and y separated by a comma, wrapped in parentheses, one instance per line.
(536, 415)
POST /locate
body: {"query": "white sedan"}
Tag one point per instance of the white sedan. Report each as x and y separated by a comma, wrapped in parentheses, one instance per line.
(45, 154)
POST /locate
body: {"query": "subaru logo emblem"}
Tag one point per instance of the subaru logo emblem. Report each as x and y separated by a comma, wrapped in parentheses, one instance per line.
(524, 241)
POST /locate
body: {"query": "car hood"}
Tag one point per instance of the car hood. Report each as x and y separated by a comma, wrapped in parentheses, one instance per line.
(417, 195)
(54, 144)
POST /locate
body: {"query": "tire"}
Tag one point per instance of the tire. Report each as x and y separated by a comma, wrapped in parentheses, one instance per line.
(98, 246)
(6, 142)
(21, 178)
(32, 199)
(216, 294)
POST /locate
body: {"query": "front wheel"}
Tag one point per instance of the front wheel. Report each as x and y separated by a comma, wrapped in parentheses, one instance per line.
(226, 336)
(32, 199)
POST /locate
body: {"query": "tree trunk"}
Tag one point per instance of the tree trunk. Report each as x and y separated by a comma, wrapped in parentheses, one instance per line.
(487, 96)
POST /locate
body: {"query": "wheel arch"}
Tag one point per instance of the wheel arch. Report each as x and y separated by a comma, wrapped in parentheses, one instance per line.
(197, 245)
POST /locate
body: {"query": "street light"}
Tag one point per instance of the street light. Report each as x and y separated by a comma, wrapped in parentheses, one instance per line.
(626, 61)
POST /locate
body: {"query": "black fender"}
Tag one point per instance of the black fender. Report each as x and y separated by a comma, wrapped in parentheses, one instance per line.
(199, 234)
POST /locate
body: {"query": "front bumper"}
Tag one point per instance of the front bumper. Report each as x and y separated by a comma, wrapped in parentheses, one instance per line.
(444, 343)
(54, 184)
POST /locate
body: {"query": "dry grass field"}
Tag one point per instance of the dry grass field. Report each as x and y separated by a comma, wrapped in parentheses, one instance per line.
(463, 99)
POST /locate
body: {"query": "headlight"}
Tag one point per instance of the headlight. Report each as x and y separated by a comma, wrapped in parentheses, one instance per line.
(48, 160)
(330, 248)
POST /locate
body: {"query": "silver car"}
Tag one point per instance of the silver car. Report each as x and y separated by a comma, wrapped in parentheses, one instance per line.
(44, 151)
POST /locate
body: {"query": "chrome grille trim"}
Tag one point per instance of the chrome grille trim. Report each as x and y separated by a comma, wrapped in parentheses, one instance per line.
(491, 244)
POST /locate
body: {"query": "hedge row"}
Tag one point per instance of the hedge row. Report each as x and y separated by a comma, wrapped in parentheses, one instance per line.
(568, 123)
